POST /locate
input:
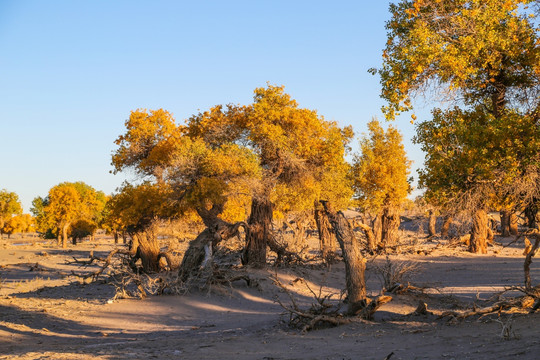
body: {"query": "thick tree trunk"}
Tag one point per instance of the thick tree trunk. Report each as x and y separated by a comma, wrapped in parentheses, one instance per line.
(64, 235)
(446, 226)
(479, 232)
(370, 237)
(355, 264)
(115, 234)
(505, 222)
(258, 232)
(146, 247)
(531, 212)
(326, 243)
(200, 250)
(432, 224)
(513, 224)
(390, 225)
(528, 260)
(377, 229)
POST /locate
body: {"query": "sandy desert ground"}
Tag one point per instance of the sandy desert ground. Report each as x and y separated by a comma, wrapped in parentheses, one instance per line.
(47, 313)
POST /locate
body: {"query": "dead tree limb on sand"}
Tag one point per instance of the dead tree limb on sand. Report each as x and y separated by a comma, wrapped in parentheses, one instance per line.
(322, 313)
(106, 262)
(520, 303)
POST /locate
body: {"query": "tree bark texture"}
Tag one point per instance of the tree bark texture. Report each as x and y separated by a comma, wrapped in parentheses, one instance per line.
(432, 222)
(479, 232)
(355, 264)
(531, 213)
(216, 231)
(505, 222)
(146, 247)
(446, 226)
(64, 235)
(258, 232)
(377, 229)
(513, 224)
(528, 261)
(326, 241)
(390, 224)
(370, 237)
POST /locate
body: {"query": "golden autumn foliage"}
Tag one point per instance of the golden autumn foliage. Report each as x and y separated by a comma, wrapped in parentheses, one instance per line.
(296, 149)
(9, 206)
(20, 223)
(230, 153)
(475, 51)
(381, 170)
(65, 204)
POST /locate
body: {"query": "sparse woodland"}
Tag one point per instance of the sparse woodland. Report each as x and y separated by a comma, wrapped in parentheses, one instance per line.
(237, 190)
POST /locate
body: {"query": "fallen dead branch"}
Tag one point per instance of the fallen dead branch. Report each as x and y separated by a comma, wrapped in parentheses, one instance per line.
(320, 313)
(518, 303)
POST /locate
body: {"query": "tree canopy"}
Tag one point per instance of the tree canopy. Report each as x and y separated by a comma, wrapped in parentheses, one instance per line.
(65, 204)
(9, 206)
(381, 170)
(476, 52)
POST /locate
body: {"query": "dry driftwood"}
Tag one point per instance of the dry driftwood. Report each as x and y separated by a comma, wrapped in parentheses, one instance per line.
(106, 262)
(520, 303)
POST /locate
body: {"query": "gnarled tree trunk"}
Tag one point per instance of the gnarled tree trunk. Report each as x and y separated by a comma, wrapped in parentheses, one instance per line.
(446, 226)
(505, 222)
(432, 222)
(390, 224)
(258, 232)
(355, 264)
(479, 232)
(531, 213)
(513, 224)
(377, 229)
(200, 249)
(326, 240)
(65, 228)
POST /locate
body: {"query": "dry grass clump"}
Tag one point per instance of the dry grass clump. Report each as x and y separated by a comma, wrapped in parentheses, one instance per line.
(393, 274)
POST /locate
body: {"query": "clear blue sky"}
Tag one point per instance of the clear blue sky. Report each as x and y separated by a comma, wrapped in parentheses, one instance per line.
(71, 71)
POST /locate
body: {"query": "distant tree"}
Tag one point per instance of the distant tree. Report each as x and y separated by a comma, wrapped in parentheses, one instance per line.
(9, 206)
(21, 223)
(380, 175)
(65, 204)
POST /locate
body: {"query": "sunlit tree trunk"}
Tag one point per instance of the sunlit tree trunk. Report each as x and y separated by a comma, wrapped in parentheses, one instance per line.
(259, 231)
(200, 251)
(390, 225)
(479, 232)
(446, 226)
(325, 236)
(65, 235)
(513, 224)
(355, 264)
(377, 229)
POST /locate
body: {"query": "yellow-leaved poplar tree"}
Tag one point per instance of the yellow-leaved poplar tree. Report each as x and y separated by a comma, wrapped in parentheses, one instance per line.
(381, 183)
